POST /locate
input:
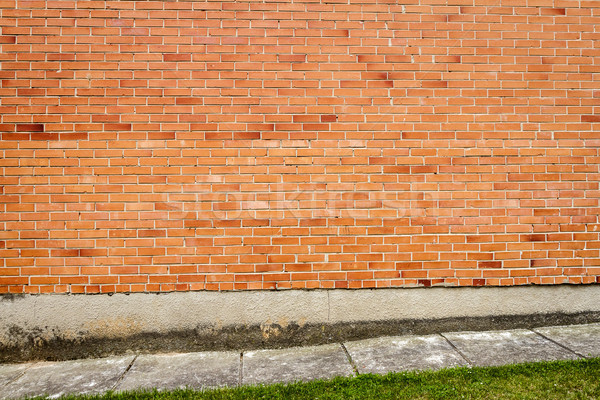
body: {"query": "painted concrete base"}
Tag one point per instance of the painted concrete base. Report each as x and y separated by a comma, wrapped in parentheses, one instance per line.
(75, 326)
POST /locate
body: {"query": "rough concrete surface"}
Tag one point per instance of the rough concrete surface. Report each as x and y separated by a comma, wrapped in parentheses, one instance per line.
(30, 324)
(57, 378)
(10, 372)
(295, 364)
(583, 339)
(199, 370)
(388, 354)
(439, 302)
(506, 347)
(66, 327)
(172, 371)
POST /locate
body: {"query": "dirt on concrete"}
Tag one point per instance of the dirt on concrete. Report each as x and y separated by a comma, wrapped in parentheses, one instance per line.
(34, 345)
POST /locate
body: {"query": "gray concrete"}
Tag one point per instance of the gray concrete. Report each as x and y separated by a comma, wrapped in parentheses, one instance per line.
(212, 369)
(10, 372)
(81, 317)
(172, 371)
(58, 378)
(506, 347)
(436, 302)
(388, 354)
(295, 364)
(583, 339)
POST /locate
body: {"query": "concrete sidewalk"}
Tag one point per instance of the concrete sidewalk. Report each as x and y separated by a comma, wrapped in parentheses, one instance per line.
(379, 356)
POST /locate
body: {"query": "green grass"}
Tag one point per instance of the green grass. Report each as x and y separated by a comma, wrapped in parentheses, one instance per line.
(546, 380)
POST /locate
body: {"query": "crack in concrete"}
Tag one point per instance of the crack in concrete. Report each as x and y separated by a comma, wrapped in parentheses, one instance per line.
(124, 372)
(350, 360)
(16, 378)
(558, 344)
(469, 362)
(241, 373)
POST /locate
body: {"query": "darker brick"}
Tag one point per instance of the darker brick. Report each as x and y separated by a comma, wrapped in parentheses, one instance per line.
(590, 118)
(30, 127)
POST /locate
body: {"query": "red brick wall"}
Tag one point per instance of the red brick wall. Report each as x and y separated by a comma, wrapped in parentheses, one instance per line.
(158, 146)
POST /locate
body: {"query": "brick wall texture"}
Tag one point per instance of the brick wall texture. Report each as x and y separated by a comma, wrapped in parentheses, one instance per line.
(232, 145)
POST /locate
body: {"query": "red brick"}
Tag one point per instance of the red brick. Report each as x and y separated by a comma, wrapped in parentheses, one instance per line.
(30, 127)
(162, 146)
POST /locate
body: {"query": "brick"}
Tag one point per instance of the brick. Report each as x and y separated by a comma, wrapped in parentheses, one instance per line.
(30, 128)
(584, 118)
(177, 57)
(160, 146)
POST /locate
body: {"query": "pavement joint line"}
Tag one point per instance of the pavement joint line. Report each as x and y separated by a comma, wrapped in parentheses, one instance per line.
(241, 373)
(124, 373)
(559, 344)
(350, 360)
(457, 350)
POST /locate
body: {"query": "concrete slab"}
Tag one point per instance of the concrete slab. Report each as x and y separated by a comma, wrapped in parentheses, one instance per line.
(583, 339)
(10, 372)
(402, 353)
(506, 347)
(210, 321)
(295, 364)
(172, 371)
(68, 377)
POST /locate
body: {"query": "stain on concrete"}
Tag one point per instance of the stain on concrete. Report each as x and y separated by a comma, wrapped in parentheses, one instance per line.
(11, 297)
(52, 345)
